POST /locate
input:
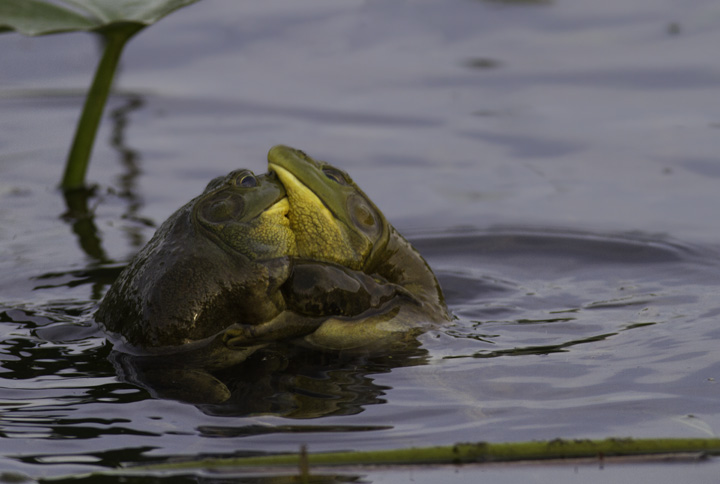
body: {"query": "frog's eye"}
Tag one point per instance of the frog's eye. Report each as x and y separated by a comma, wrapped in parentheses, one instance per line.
(335, 175)
(246, 181)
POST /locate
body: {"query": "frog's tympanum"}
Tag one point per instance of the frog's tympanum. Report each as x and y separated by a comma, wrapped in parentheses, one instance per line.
(298, 255)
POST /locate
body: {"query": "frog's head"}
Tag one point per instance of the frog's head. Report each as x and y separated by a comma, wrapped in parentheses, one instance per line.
(331, 218)
(247, 214)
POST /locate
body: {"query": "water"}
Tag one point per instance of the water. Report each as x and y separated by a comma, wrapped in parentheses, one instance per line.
(555, 162)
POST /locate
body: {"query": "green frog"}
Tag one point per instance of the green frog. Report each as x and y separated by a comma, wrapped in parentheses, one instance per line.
(218, 260)
(335, 222)
(299, 254)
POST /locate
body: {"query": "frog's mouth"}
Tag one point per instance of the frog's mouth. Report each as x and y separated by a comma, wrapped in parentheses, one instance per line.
(318, 233)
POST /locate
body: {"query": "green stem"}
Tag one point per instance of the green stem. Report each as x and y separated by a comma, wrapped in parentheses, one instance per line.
(464, 453)
(444, 455)
(79, 157)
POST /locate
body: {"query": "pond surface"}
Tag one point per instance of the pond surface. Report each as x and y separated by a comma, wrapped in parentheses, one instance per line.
(556, 162)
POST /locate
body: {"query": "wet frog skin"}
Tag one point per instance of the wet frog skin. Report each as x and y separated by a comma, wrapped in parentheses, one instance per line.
(298, 254)
(334, 221)
(220, 279)
(218, 260)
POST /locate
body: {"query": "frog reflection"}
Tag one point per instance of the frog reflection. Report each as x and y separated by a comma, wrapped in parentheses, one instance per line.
(282, 379)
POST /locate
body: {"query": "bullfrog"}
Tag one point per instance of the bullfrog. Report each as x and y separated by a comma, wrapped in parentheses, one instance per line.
(334, 221)
(220, 257)
(221, 278)
(299, 255)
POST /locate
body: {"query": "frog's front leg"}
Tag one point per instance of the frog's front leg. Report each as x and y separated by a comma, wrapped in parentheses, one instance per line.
(313, 293)
(286, 325)
(326, 289)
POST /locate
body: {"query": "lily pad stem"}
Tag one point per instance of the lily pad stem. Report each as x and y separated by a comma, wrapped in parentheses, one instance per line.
(115, 36)
(447, 455)
(461, 453)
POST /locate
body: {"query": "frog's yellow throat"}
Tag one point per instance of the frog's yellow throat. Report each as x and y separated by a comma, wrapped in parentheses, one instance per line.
(267, 236)
(273, 229)
(318, 233)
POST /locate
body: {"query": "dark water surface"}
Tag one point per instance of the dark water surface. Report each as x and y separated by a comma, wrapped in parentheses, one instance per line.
(556, 162)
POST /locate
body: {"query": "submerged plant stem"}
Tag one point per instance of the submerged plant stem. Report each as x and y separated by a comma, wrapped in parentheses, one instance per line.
(480, 452)
(79, 156)
(461, 454)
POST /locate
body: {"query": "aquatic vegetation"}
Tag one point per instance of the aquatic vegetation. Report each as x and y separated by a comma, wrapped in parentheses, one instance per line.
(462, 453)
(116, 21)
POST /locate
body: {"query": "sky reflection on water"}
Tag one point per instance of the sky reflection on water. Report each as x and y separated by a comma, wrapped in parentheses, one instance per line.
(556, 163)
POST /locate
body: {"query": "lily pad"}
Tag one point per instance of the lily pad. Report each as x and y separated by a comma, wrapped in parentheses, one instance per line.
(117, 21)
(41, 17)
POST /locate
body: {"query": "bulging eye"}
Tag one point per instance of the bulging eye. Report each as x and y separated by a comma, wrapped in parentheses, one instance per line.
(335, 175)
(246, 181)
